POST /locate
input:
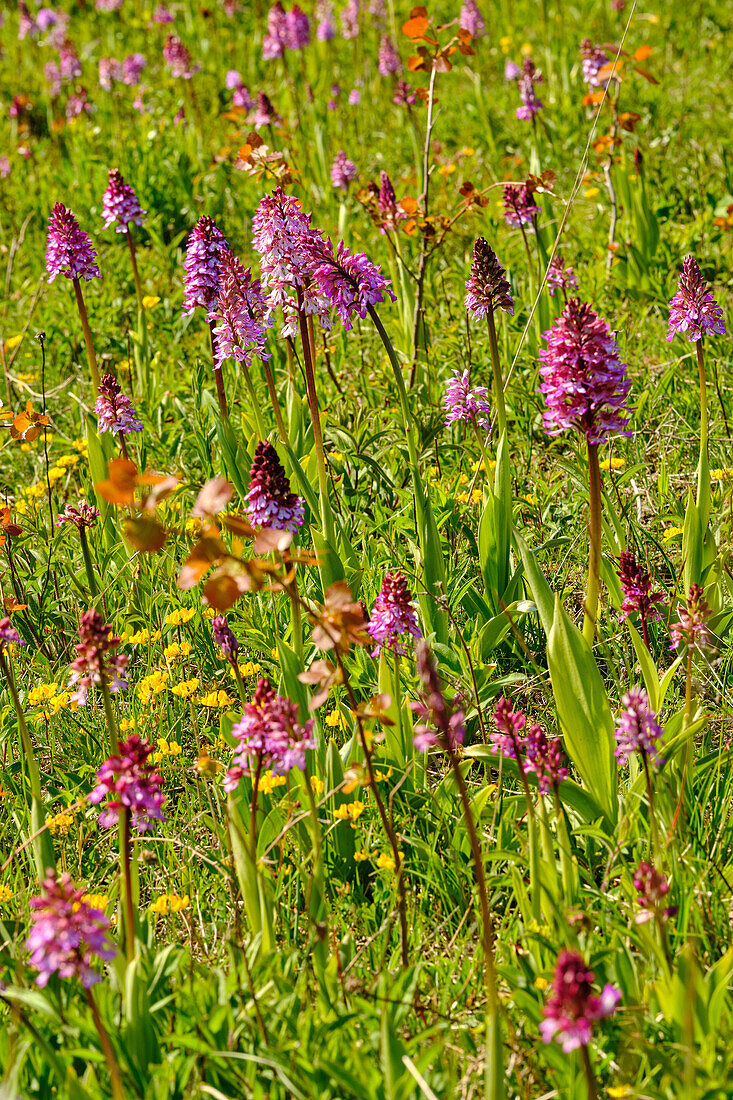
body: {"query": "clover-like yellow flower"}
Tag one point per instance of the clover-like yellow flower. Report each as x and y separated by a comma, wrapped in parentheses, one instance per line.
(179, 617)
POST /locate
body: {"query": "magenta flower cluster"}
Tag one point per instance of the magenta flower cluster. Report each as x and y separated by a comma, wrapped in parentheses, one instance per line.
(637, 729)
(82, 515)
(8, 634)
(225, 639)
(439, 723)
(470, 19)
(68, 934)
(286, 30)
(652, 889)
(97, 660)
(534, 752)
(527, 77)
(393, 615)
(583, 379)
(270, 737)
(519, 205)
(573, 1007)
(389, 60)
(283, 236)
(343, 171)
(269, 501)
(120, 204)
(594, 59)
(69, 250)
(130, 783)
(560, 275)
(204, 251)
(115, 411)
(691, 628)
(636, 585)
(241, 313)
(351, 283)
(465, 403)
(487, 287)
(178, 58)
(693, 310)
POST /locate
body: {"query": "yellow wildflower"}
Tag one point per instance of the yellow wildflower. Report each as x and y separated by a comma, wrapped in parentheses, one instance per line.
(150, 300)
(127, 724)
(591, 192)
(152, 685)
(385, 861)
(316, 784)
(170, 903)
(42, 693)
(182, 615)
(67, 460)
(216, 699)
(525, 49)
(142, 637)
(672, 532)
(361, 856)
(80, 444)
(177, 649)
(268, 782)
(13, 341)
(618, 1090)
(615, 464)
(60, 824)
(97, 901)
(249, 668)
(209, 612)
(505, 42)
(540, 982)
(349, 811)
(5, 894)
(166, 748)
(186, 687)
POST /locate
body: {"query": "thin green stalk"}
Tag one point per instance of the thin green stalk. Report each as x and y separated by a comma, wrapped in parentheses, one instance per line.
(118, 1092)
(594, 551)
(703, 468)
(109, 715)
(218, 377)
(310, 381)
(494, 1060)
(91, 354)
(590, 1077)
(282, 430)
(398, 703)
(88, 566)
(261, 431)
(498, 375)
(126, 871)
(41, 844)
(135, 272)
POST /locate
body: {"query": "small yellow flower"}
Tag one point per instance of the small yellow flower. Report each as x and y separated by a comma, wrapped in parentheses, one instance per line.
(723, 474)
(216, 699)
(67, 460)
(379, 776)
(335, 718)
(60, 824)
(28, 376)
(525, 49)
(142, 637)
(194, 526)
(97, 901)
(466, 151)
(80, 444)
(175, 650)
(182, 615)
(209, 612)
(385, 861)
(152, 685)
(591, 192)
(505, 42)
(170, 903)
(42, 693)
(13, 341)
(350, 811)
(618, 1091)
(361, 856)
(316, 784)
(166, 748)
(614, 464)
(186, 687)
(672, 532)
(127, 724)
(5, 894)
(268, 782)
(150, 300)
(274, 653)
(540, 982)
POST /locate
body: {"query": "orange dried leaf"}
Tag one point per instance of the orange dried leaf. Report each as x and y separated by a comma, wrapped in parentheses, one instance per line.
(416, 25)
(145, 534)
(642, 53)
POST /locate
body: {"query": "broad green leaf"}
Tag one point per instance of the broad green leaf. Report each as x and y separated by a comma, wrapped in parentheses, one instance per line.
(541, 592)
(583, 710)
